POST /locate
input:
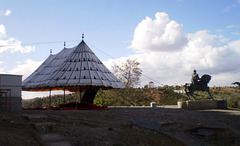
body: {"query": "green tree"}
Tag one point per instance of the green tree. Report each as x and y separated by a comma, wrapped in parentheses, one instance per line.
(129, 72)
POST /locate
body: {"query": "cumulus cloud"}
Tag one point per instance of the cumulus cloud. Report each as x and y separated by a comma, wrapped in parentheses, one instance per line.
(1, 69)
(5, 13)
(208, 53)
(160, 34)
(26, 68)
(2, 31)
(11, 44)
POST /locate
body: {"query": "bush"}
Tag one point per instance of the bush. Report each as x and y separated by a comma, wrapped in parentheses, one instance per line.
(233, 101)
(139, 97)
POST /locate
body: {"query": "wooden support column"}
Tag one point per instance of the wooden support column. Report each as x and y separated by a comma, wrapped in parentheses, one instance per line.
(90, 94)
(80, 94)
(49, 102)
(64, 98)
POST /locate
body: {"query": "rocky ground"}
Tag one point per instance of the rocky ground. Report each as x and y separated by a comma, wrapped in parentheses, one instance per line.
(115, 127)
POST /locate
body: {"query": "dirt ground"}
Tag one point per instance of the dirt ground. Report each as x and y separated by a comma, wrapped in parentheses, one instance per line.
(114, 127)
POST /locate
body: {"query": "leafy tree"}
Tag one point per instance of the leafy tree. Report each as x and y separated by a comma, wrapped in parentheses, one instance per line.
(129, 72)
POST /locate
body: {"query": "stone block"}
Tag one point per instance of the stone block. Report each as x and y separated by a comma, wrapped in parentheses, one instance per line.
(35, 117)
(203, 104)
(44, 127)
(153, 104)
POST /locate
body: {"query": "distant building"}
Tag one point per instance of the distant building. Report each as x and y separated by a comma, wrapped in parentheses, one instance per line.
(179, 91)
(10, 92)
(151, 85)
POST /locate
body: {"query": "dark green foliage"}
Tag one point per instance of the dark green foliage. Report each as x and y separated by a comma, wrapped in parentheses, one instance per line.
(140, 97)
(56, 100)
(137, 97)
(231, 94)
(115, 97)
(233, 101)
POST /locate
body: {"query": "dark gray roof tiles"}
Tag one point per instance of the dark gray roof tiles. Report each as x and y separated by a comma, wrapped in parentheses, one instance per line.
(77, 66)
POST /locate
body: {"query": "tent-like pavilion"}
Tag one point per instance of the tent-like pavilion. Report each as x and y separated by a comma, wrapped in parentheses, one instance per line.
(75, 69)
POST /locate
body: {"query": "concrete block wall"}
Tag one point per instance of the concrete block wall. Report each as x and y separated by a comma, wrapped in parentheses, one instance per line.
(203, 104)
(13, 83)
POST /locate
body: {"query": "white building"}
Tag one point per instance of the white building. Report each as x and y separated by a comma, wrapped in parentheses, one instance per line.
(151, 85)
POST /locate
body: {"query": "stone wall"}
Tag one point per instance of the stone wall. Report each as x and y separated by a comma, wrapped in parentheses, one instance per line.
(203, 104)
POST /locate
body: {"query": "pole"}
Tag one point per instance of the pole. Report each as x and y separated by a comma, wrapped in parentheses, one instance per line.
(64, 100)
(80, 94)
(50, 98)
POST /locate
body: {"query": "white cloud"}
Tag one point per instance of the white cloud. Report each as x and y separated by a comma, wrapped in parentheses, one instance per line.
(5, 13)
(2, 31)
(236, 33)
(222, 39)
(160, 34)
(206, 52)
(26, 68)
(2, 71)
(228, 8)
(232, 26)
(11, 44)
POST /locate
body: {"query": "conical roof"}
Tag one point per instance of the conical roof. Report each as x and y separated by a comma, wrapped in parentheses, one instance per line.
(74, 67)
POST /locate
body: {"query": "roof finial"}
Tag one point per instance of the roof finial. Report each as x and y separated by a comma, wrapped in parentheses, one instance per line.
(50, 51)
(82, 36)
(64, 44)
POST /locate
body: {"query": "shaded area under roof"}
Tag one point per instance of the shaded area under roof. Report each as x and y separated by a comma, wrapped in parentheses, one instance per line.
(73, 69)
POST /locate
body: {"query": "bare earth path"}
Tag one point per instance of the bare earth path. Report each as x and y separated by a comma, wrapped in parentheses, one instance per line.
(114, 127)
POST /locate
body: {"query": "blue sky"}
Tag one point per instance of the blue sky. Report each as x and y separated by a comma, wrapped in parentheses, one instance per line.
(114, 27)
